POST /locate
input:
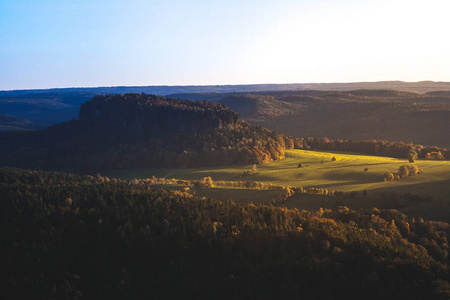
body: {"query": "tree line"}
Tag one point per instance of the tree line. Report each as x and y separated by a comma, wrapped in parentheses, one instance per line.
(374, 147)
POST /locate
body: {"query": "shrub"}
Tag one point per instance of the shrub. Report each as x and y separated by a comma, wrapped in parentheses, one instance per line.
(206, 182)
(403, 171)
(388, 176)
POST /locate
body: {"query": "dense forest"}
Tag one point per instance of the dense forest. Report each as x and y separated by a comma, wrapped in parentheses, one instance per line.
(138, 130)
(71, 237)
(351, 115)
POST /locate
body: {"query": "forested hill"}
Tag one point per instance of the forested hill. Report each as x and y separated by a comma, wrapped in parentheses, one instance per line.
(149, 116)
(75, 237)
(139, 130)
(12, 123)
(52, 106)
(390, 115)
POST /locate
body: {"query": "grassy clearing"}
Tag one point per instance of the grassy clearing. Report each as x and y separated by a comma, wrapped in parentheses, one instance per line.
(345, 174)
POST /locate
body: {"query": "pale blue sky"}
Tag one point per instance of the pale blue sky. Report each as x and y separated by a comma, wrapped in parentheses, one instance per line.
(81, 43)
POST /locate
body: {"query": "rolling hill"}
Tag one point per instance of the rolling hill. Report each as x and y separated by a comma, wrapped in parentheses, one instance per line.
(12, 123)
(131, 130)
(353, 115)
(53, 106)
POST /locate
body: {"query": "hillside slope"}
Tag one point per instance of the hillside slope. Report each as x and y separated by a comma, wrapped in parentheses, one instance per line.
(254, 106)
(12, 123)
(352, 115)
(138, 130)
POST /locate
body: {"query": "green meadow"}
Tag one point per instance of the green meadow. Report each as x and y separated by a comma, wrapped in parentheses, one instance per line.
(346, 174)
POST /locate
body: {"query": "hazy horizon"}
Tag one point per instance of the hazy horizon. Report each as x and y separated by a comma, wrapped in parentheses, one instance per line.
(53, 44)
(229, 85)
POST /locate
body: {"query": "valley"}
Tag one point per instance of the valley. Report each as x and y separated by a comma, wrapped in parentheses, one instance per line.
(146, 195)
(225, 150)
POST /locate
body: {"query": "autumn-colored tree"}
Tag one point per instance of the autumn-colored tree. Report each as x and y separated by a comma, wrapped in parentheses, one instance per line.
(206, 182)
(407, 170)
(413, 169)
(289, 143)
(403, 171)
(434, 155)
(68, 201)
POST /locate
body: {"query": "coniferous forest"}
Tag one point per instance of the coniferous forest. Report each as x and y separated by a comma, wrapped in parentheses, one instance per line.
(71, 237)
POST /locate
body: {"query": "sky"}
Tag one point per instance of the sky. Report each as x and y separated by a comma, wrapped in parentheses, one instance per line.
(89, 43)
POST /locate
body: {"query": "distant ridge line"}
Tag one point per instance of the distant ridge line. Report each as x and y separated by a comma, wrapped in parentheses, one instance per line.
(164, 90)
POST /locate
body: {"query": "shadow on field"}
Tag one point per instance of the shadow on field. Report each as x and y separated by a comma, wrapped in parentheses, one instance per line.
(269, 178)
(435, 189)
(355, 177)
(362, 165)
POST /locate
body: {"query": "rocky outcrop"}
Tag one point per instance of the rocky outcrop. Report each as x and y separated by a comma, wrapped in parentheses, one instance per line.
(148, 116)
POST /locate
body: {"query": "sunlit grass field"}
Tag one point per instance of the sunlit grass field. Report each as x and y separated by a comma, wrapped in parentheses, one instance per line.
(346, 174)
